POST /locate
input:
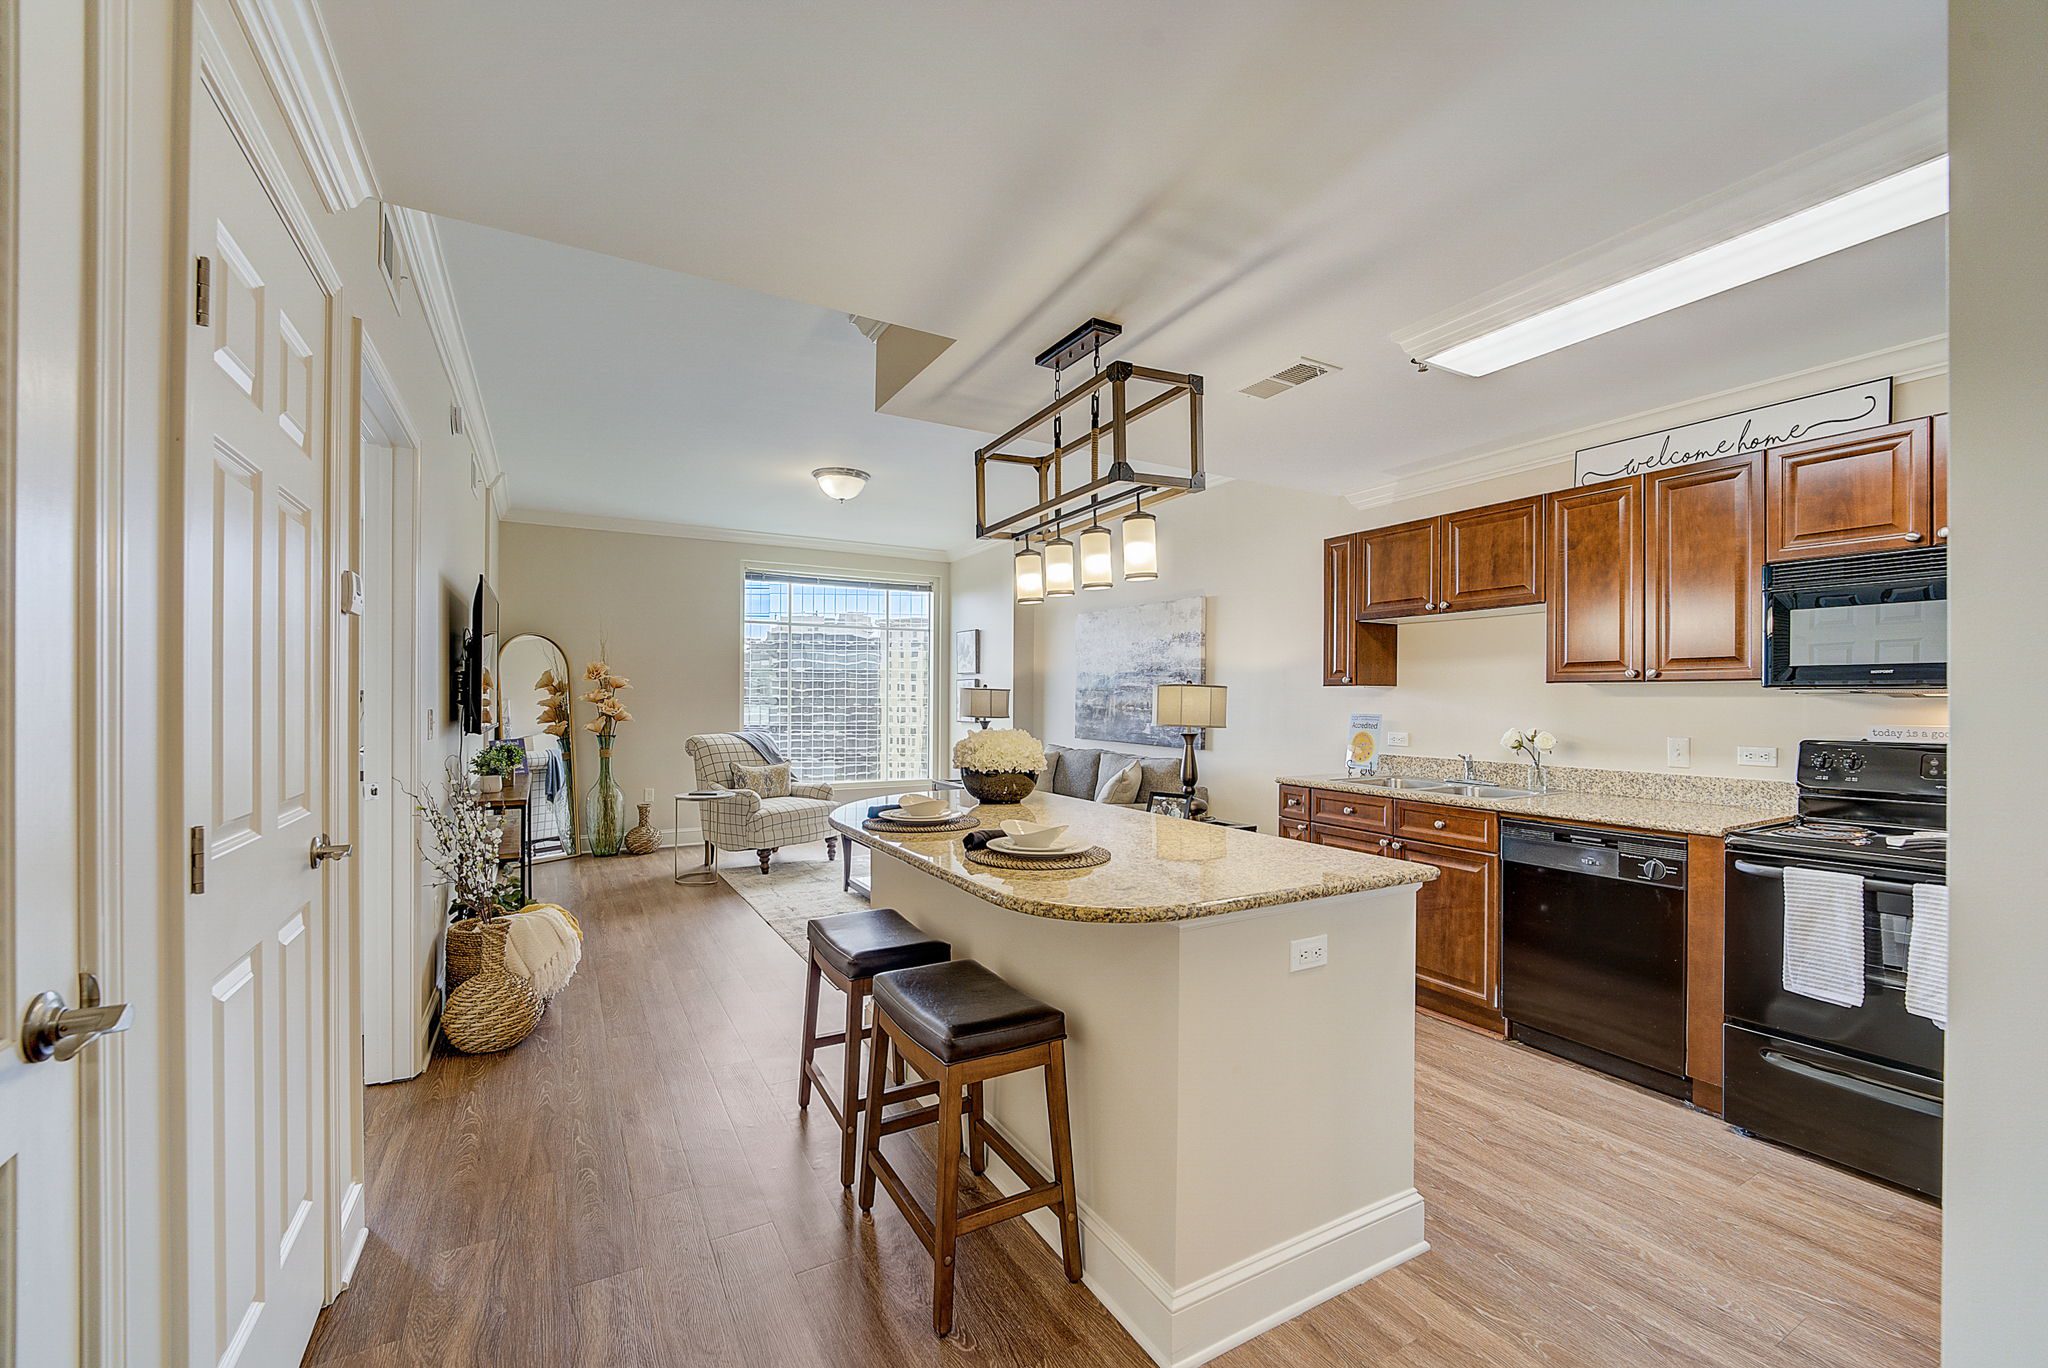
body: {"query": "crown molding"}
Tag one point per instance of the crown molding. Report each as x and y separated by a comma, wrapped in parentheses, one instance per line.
(647, 527)
(1912, 361)
(290, 44)
(1916, 134)
(429, 271)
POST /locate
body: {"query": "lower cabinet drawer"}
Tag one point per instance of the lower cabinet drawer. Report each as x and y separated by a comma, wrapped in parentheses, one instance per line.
(1293, 802)
(1468, 827)
(1346, 838)
(1294, 828)
(1331, 808)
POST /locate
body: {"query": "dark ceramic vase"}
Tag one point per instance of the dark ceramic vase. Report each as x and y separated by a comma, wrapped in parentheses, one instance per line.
(998, 786)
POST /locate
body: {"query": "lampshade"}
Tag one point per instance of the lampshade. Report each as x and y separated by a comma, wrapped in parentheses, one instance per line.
(976, 702)
(1185, 707)
(840, 482)
(1141, 546)
(1097, 572)
(1059, 568)
(1030, 575)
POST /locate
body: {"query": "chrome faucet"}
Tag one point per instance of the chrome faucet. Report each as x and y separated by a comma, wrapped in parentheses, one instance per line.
(1471, 775)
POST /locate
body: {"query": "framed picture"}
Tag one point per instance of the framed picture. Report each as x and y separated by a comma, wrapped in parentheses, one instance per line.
(967, 653)
(1171, 805)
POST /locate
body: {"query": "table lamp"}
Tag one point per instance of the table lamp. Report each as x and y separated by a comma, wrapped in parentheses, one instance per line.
(1189, 709)
(979, 705)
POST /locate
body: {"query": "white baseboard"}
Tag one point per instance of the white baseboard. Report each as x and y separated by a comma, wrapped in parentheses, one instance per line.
(1181, 1327)
(355, 1234)
(423, 1035)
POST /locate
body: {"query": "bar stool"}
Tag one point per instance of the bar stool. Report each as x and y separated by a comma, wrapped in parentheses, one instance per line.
(850, 950)
(961, 1025)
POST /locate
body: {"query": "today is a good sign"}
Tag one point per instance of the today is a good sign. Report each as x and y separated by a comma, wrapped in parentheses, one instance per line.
(1738, 434)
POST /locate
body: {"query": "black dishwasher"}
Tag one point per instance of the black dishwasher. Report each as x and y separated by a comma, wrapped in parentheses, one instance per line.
(1593, 957)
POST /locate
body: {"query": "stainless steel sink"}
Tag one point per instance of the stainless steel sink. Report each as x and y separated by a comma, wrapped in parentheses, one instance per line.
(1403, 783)
(1484, 790)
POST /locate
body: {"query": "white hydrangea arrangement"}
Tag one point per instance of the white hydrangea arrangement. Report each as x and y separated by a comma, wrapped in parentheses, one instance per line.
(1529, 740)
(1001, 750)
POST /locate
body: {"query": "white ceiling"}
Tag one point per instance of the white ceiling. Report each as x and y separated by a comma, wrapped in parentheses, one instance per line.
(620, 390)
(1239, 185)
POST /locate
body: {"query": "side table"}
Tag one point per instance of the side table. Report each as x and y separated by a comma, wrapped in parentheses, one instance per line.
(707, 873)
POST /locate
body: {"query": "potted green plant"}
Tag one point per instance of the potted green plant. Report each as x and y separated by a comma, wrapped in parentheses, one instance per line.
(494, 764)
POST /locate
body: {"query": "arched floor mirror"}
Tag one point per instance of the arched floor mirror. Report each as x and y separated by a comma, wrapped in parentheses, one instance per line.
(536, 707)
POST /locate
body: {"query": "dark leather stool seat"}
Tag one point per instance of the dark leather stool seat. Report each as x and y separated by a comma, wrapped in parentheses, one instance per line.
(860, 945)
(848, 951)
(959, 1011)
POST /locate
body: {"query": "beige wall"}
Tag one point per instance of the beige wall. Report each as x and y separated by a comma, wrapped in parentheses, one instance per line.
(983, 599)
(669, 611)
(1995, 1224)
(1255, 553)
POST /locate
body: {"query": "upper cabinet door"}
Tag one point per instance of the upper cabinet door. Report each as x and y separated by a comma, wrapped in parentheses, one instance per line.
(1340, 609)
(1941, 479)
(1397, 569)
(1703, 539)
(1492, 556)
(1869, 491)
(1595, 569)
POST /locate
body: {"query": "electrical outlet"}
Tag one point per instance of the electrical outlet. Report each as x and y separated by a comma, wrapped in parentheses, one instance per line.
(1312, 952)
(1757, 755)
(1678, 752)
(1397, 740)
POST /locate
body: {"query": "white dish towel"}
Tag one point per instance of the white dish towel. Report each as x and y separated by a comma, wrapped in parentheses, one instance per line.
(1824, 935)
(1927, 959)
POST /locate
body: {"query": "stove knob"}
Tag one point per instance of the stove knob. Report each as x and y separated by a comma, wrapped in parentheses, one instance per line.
(1852, 763)
(1654, 870)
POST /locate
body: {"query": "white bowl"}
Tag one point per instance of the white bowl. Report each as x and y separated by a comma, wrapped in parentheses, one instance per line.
(922, 804)
(1034, 835)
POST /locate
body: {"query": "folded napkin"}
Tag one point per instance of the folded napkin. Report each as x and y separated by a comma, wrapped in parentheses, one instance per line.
(879, 808)
(1927, 958)
(1824, 935)
(975, 840)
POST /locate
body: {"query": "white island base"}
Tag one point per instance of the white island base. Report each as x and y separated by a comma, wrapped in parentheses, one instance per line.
(1244, 1135)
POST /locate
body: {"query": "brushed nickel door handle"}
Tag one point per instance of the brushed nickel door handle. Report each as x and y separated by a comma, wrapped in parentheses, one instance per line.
(1912, 536)
(323, 849)
(50, 1030)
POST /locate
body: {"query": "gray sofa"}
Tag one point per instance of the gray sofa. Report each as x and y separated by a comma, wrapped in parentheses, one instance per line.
(1072, 771)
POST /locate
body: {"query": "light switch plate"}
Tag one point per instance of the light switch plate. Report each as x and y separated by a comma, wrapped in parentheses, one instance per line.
(1678, 752)
(1757, 755)
(1397, 740)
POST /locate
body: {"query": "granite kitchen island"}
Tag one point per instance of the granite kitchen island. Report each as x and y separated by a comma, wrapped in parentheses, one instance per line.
(1244, 1133)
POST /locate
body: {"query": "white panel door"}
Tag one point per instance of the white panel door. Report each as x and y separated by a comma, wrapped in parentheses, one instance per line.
(256, 590)
(42, 286)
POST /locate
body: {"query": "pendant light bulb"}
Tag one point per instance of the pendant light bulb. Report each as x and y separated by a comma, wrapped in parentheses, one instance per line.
(1059, 566)
(1030, 574)
(1097, 570)
(1141, 543)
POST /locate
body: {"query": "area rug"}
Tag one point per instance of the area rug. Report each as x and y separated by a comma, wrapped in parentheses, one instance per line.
(799, 886)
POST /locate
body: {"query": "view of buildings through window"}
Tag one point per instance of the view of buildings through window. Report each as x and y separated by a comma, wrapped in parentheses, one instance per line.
(839, 672)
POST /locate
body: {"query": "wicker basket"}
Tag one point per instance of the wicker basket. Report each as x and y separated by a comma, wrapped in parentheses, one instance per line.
(493, 1011)
(473, 945)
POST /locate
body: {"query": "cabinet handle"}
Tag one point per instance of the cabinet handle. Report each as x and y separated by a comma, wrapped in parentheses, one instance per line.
(1631, 674)
(1393, 845)
(1438, 824)
(1349, 812)
(1912, 536)
(1941, 533)
(1429, 607)
(1653, 673)
(1383, 843)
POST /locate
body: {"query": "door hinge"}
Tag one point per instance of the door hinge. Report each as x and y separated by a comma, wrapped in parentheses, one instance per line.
(199, 859)
(202, 297)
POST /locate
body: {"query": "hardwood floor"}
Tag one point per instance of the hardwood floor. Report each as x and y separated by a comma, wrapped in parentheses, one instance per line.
(634, 1185)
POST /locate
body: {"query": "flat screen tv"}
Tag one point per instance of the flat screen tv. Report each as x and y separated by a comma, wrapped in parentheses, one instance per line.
(479, 656)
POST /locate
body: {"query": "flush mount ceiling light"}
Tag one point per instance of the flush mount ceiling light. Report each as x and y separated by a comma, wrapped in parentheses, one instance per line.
(1908, 197)
(1113, 485)
(840, 482)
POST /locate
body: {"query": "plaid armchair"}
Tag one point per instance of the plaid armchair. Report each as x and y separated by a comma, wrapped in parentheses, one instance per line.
(747, 821)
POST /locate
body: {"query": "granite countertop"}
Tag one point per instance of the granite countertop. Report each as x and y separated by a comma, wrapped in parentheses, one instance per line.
(1687, 816)
(1160, 868)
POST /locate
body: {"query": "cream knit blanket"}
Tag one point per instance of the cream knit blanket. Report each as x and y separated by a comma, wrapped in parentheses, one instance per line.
(543, 948)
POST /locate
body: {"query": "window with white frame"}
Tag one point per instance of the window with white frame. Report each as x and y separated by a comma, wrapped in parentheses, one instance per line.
(839, 672)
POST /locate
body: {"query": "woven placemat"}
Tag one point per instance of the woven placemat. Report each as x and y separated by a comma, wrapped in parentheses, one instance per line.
(996, 859)
(887, 828)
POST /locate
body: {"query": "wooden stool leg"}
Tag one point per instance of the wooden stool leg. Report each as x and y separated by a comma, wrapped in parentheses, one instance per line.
(871, 1132)
(849, 1096)
(803, 1082)
(896, 1066)
(977, 1147)
(944, 1227)
(1063, 1158)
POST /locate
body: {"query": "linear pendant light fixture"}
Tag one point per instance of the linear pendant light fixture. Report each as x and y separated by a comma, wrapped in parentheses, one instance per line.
(1912, 196)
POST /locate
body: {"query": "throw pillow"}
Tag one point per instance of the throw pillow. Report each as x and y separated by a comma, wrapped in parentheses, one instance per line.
(1076, 777)
(1118, 783)
(770, 781)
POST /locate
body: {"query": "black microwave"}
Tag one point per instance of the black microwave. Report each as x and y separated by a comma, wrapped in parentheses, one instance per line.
(1877, 621)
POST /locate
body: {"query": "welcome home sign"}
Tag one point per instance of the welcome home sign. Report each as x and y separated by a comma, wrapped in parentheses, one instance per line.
(1738, 434)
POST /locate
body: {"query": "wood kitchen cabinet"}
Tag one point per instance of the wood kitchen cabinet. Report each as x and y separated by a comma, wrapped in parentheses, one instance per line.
(1941, 479)
(1457, 933)
(1490, 557)
(1659, 576)
(1871, 490)
(1353, 652)
(1397, 569)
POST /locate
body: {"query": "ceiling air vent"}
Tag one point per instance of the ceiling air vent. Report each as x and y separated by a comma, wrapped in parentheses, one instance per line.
(1280, 382)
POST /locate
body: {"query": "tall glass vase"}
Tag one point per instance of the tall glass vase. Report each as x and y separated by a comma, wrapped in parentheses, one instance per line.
(604, 806)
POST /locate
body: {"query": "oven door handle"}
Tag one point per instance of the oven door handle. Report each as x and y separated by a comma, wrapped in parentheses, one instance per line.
(1834, 1078)
(1773, 872)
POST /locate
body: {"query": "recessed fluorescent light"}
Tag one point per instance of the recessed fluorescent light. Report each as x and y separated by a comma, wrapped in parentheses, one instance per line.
(1898, 201)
